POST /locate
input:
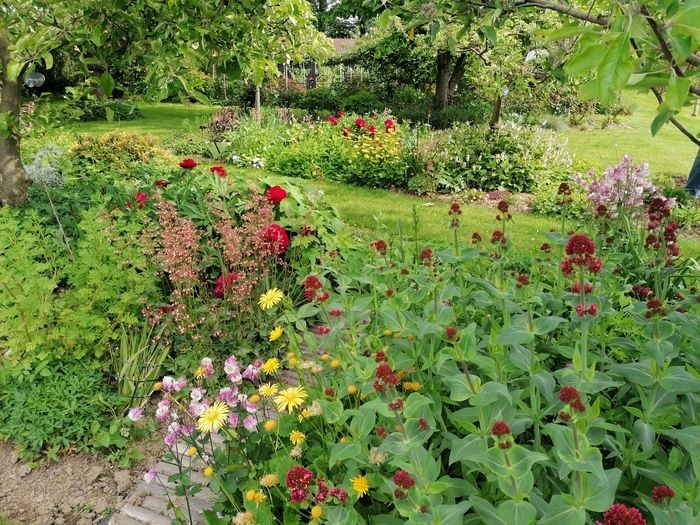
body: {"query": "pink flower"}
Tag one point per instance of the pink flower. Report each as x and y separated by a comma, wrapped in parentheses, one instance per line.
(224, 283)
(251, 373)
(196, 394)
(135, 413)
(179, 384)
(163, 410)
(141, 198)
(207, 367)
(198, 408)
(150, 475)
(228, 395)
(233, 420)
(360, 122)
(250, 423)
(276, 237)
(170, 439)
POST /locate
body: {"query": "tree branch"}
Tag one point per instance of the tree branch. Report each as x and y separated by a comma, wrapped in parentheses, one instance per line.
(601, 20)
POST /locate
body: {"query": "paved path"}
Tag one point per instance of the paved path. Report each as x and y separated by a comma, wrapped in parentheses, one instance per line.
(148, 504)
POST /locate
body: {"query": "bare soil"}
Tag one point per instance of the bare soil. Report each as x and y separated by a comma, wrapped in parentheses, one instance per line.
(79, 489)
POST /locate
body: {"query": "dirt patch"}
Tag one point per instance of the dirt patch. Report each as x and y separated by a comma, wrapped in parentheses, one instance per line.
(79, 489)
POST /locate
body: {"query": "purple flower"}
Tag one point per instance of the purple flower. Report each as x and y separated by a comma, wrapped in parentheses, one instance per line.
(251, 408)
(163, 411)
(197, 408)
(207, 367)
(196, 394)
(179, 384)
(170, 439)
(228, 395)
(135, 413)
(250, 423)
(185, 430)
(233, 420)
(168, 384)
(233, 369)
(150, 475)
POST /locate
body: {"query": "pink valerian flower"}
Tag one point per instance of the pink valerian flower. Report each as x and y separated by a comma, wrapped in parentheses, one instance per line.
(228, 395)
(150, 475)
(233, 419)
(250, 423)
(623, 186)
(251, 408)
(135, 413)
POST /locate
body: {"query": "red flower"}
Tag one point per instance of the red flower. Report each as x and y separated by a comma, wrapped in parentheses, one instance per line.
(381, 432)
(580, 244)
(345, 132)
(340, 494)
(340, 114)
(500, 428)
(277, 237)
(455, 209)
(569, 394)
(360, 122)
(380, 246)
(219, 170)
(578, 406)
(620, 514)
(323, 297)
(399, 494)
(141, 198)
(299, 477)
(502, 206)
(476, 237)
(661, 493)
(223, 283)
(564, 416)
(335, 312)
(546, 248)
(388, 123)
(188, 164)
(275, 194)
(396, 404)
(371, 130)
(323, 329)
(161, 183)
(311, 284)
(380, 357)
(593, 309)
(403, 479)
(497, 236)
(451, 332)
(390, 292)
(426, 254)
(332, 120)
(330, 392)
(299, 495)
(523, 280)
(422, 423)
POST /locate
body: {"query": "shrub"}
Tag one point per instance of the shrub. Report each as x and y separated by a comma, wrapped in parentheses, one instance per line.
(476, 112)
(61, 407)
(117, 110)
(362, 102)
(117, 151)
(227, 119)
(45, 168)
(320, 99)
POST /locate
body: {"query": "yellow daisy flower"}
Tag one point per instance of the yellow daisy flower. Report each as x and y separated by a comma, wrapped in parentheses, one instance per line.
(293, 361)
(335, 363)
(276, 333)
(316, 512)
(271, 366)
(270, 298)
(213, 417)
(190, 452)
(199, 373)
(255, 398)
(208, 471)
(290, 398)
(352, 389)
(250, 495)
(270, 425)
(259, 496)
(360, 485)
(268, 390)
(296, 437)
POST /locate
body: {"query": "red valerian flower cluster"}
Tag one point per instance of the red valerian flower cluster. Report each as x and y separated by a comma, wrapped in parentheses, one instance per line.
(380, 246)
(451, 333)
(576, 287)
(223, 283)
(322, 494)
(340, 494)
(564, 192)
(219, 170)
(311, 285)
(423, 423)
(523, 280)
(386, 378)
(188, 164)
(277, 237)
(403, 479)
(275, 194)
(661, 493)
(500, 428)
(426, 255)
(621, 514)
(655, 308)
(396, 404)
(298, 480)
(546, 247)
(662, 232)
(572, 397)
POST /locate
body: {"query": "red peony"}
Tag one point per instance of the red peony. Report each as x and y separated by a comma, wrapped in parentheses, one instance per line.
(219, 170)
(140, 197)
(276, 194)
(332, 120)
(277, 237)
(500, 428)
(371, 130)
(223, 283)
(388, 123)
(188, 164)
(360, 122)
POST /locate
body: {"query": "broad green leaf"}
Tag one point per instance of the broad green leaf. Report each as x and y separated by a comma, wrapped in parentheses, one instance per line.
(664, 114)
(343, 451)
(470, 449)
(615, 69)
(517, 512)
(363, 423)
(414, 403)
(585, 61)
(48, 59)
(106, 83)
(677, 380)
(600, 492)
(561, 511)
(677, 92)
(560, 33)
(332, 410)
(451, 514)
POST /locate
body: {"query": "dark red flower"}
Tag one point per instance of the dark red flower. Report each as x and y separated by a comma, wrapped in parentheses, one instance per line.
(399, 494)
(500, 428)
(340, 114)
(423, 509)
(161, 183)
(380, 246)
(476, 237)
(277, 237)
(620, 514)
(593, 309)
(323, 297)
(299, 495)
(546, 248)
(360, 122)
(340, 494)
(423, 423)
(332, 120)
(275, 194)
(502, 206)
(580, 244)
(323, 329)
(568, 394)
(661, 493)
(380, 357)
(345, 132)
(141, 198)
(335, 312)
(523, 280)
(371, 129)
(578, 406)
(299, 477)
(378, 387)
(330, 392)
(381, 432)
(188, 164)
(564, 416)
(397, 404)
(219, 170)
(451, 332)
(322, 494)
(390, 292)
(497, 236)
(564, 189)
(426, 254)
(455, 209)
(403, 479)
(388, 123)
(311, 285)
(223, 283)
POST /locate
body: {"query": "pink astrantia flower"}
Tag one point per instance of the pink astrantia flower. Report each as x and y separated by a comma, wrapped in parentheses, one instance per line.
(233, 420)
(135, 413)
(228, 395)
(251, 408)
(179, 384)
(250, 423)
(197, 409)
(168, 384)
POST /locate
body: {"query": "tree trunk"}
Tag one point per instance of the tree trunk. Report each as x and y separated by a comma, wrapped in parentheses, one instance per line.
(442, 80)
(14, 181)
(496, 114)
(258, 108)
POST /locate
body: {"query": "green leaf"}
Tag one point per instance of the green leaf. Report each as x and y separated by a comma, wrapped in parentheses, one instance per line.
(677, 92)
(662, 117)
(414, 403)
(517, 512)
(489, 33)
(106, 83)
(561, 511)
(561, 33)
(343, 451)
(341, 516)
(332, 410)
(363, 423)
(615, 69)
(585, 61)
(600, 493)
(48, 59)
(451, 514)
(677, 380)
(468, 449)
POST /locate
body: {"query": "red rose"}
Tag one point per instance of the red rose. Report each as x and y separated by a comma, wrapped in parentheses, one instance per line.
(219, 170)
(277, 237)
(276, 194)
(332, 120)
(360, 122)
(161, 183)
(188, 164)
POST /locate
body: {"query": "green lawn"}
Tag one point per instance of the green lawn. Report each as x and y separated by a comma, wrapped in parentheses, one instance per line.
(668, 153)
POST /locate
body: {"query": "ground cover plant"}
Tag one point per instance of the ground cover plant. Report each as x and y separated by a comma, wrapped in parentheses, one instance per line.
(468, 384)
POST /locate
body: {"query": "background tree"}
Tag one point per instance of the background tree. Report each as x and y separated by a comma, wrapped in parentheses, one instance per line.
(241, 39)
